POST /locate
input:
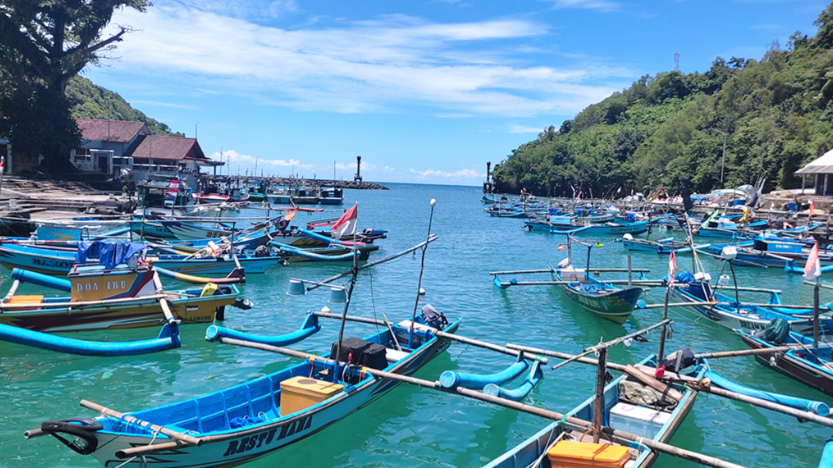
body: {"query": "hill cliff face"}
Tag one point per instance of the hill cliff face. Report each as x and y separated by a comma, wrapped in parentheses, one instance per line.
(776, 114)
(90, 101)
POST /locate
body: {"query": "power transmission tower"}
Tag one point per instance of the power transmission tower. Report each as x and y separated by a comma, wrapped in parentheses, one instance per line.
(676, 61)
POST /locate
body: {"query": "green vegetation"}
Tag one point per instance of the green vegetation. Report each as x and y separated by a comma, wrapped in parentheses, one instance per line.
(90, 101)
(43, 44)
(777, 114)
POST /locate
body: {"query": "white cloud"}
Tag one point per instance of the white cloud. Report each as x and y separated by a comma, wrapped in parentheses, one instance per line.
(233, 156)
(366, 66)
(522, 129)
(461, 174)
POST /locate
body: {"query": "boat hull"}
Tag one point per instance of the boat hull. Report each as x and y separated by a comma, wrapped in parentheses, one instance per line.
(187, 231)
(615, 306)
(818, 377)
(235, 447)
(725, 315)
(60, 263)
(116, 315)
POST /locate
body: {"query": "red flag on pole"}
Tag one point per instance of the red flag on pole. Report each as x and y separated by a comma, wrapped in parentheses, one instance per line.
(346, 225)
(672, 267)
(812, 269)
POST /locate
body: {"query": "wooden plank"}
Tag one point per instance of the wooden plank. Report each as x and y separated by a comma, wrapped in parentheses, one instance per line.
(653, 383)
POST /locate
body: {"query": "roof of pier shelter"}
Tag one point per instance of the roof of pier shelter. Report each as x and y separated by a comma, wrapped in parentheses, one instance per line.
(168, 147)
(820, 165)
(114, 131)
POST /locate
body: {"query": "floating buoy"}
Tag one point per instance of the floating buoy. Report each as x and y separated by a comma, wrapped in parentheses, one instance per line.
(421, 292)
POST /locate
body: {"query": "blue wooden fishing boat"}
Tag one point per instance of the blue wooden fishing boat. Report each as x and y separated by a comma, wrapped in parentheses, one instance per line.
(245, 422)
(332, 253)
(726, 228)
(771, 252)
(810, 365)
(99, 299)
(153, 229)
(606, 301)
(500, 211)
(742, 315)
(620, 412)
(607, 228)
(57, 262)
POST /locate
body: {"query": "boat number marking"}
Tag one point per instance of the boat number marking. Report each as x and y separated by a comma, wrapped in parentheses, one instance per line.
(245, 444)
(52, 263)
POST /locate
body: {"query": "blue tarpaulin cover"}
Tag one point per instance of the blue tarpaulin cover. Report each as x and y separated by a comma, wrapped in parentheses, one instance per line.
(108, 254)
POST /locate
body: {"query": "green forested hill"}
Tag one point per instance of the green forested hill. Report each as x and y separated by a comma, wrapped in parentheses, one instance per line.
(777, 113)
(90, 101)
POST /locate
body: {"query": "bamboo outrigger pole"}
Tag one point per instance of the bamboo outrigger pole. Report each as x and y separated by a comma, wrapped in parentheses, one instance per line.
(626, 438)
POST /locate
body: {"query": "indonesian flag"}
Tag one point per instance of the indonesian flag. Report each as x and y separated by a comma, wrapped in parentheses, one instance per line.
(812, 209)
(812, 269)
(2, 163)
(672, 267)
(346, 225)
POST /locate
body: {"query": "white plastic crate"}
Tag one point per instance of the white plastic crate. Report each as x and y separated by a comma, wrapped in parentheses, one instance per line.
(637, 420)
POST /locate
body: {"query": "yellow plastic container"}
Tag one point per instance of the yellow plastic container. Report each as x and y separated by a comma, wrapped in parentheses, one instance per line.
(300, 393)
(572, 454)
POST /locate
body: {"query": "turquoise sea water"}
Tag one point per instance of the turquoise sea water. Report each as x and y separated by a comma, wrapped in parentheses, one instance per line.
(410, 426)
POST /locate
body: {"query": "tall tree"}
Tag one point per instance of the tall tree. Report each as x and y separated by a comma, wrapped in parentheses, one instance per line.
(44, 43)
(56, 39)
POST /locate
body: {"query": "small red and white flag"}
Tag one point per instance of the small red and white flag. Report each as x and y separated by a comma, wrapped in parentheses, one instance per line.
(346, 225)
(672, 267)
(2, 163)
(812, 210)
(812, 269)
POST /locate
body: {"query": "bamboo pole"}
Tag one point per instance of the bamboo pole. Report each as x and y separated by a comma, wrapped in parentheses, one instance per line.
(430, 239)
(147, 449)
(572, 423)
(742, 288)
(599, 402)
(600, 346)
(592, 270)
(752, 352)
(490, 346)
(816, 314)
(713, 303)
(185, 438)
(557, 283)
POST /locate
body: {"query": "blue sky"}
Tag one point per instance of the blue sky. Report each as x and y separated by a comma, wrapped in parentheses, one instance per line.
(425, 91)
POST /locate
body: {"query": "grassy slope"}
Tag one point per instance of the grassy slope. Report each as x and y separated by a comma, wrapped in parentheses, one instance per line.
(94, 102)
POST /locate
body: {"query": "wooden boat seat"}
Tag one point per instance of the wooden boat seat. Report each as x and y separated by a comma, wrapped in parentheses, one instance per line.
(22, 299)
(393, 355)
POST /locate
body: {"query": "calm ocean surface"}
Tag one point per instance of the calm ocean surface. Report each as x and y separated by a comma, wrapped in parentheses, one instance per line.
(410, 426)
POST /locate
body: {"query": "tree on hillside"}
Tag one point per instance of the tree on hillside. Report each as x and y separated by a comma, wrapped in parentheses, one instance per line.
(44, 43)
